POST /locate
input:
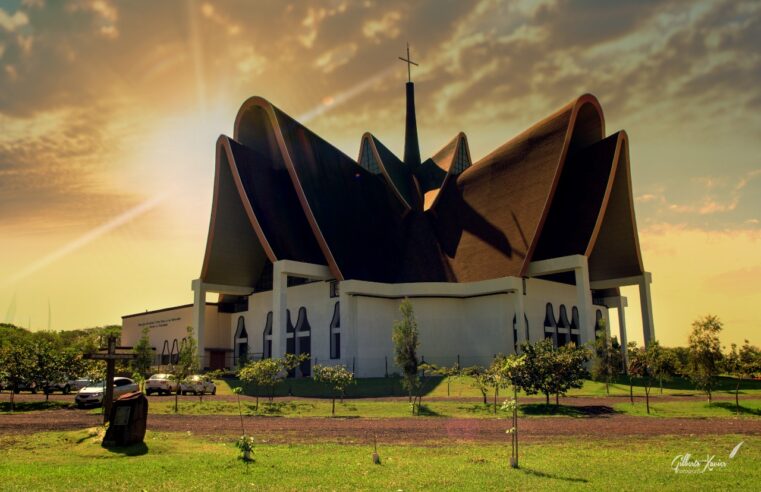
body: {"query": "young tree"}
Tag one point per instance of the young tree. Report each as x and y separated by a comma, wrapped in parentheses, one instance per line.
(449, 373)
(480, 379)
(608, 360)
(496, 377)
(571, 363)
(17, 361)
(265, 373)
(742, 365)
(662, 363)
(48, 366)
(187, 364)
(640, 366)
(513, 371)
(705, 353)
(143, 361)
(405, 338)
(337, 377)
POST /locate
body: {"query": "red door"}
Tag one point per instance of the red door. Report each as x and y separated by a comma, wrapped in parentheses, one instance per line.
(216, 359)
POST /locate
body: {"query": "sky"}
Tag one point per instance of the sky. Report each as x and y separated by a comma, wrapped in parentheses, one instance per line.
(109, 112)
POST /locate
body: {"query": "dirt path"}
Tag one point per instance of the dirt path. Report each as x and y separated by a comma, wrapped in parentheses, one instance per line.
(393, 430)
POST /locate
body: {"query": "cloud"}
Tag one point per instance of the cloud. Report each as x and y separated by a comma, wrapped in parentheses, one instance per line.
(13, 22)
(387, 26)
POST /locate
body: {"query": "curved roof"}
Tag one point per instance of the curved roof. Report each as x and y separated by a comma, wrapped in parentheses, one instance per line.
(558, 188)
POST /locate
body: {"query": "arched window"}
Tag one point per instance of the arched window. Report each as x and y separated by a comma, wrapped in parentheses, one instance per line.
(304, 340)
(575, 325)
(564, 327)
(550, 325)
(175, 352)
(267, 337)
(335, 333)
(290, 340)
(165, 352)
(515, 331)
(241, 342)
(599, 323)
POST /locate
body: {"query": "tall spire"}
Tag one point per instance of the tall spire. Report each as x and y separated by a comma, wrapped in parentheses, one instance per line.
(411, 146)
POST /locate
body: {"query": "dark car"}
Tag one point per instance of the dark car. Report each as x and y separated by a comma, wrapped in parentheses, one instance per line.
(24, 386)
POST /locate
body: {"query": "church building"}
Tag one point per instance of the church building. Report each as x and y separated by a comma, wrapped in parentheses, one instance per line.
(311, 251)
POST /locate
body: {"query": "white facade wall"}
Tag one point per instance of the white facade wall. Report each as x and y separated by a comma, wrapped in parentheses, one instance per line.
(475, 328)
(172, 324)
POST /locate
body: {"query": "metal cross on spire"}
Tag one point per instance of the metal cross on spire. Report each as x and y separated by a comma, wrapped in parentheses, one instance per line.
(409, 63)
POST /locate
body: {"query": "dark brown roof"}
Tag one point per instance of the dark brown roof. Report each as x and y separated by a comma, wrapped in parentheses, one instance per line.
(558, 188)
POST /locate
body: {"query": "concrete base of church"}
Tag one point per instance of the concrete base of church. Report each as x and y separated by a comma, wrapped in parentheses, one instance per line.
(350, 322)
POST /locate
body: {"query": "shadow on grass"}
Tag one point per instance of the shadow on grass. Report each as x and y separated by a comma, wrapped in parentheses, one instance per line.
(30, 406)
(541, 409)
(541, 474)
(730, 407)
(481, 409)
(278, 408)
(138, 449)
(425, 411)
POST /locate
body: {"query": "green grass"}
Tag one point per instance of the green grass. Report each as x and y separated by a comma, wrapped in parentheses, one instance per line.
(694, 409)
(178, 461)
(452, 408)
(29, 406)
(463, 387)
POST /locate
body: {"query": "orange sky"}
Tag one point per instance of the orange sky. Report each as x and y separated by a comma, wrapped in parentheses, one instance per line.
(109, 112)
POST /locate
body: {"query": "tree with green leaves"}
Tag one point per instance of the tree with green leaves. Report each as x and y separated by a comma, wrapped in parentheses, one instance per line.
(705, 355)
(742, 364)
(640, 365)
(337, 377)
(496, 377)
(552, 371)
(449, 373)
(512, 370)
(17, 360)
(662, 363)
(406, 343)
(188, 363)
(48, 367)
(479, 377)
(608, 361)
(264, 373)
(143, 360)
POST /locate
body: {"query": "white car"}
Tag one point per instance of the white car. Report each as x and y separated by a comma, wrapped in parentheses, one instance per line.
(78, 384)
(93, 395)
(198, 384)
(163, 384)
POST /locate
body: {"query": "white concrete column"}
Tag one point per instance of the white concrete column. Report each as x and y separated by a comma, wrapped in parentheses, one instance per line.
(199, 317)
(279, 310)
(584, 303)
(646, 303)
(520, 317)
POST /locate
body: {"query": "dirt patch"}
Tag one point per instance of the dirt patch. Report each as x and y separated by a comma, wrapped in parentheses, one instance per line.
(392, 430)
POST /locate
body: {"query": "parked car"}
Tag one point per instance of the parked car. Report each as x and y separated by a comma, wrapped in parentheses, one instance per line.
(63, 387)
(30, 386)
(163, 384)
(78, 384)
(198, 384)
(93, 395)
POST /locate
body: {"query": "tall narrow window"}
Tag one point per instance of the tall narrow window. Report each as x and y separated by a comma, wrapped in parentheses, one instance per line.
(267, 337)
(335, 333)
(241, 342)
(564, 327)
(550, 325)
(304, 341)
(599, 323)
(575, 325)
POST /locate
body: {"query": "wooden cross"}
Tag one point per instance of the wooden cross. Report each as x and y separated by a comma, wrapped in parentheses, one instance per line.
(110, 357)
(409, 63)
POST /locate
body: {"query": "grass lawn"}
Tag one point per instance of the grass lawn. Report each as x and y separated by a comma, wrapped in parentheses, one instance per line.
(463, 387)
(178, 461)
(460, 409)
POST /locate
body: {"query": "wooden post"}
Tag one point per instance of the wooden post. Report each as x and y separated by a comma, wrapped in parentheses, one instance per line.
(108, 395)
(110, 356)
